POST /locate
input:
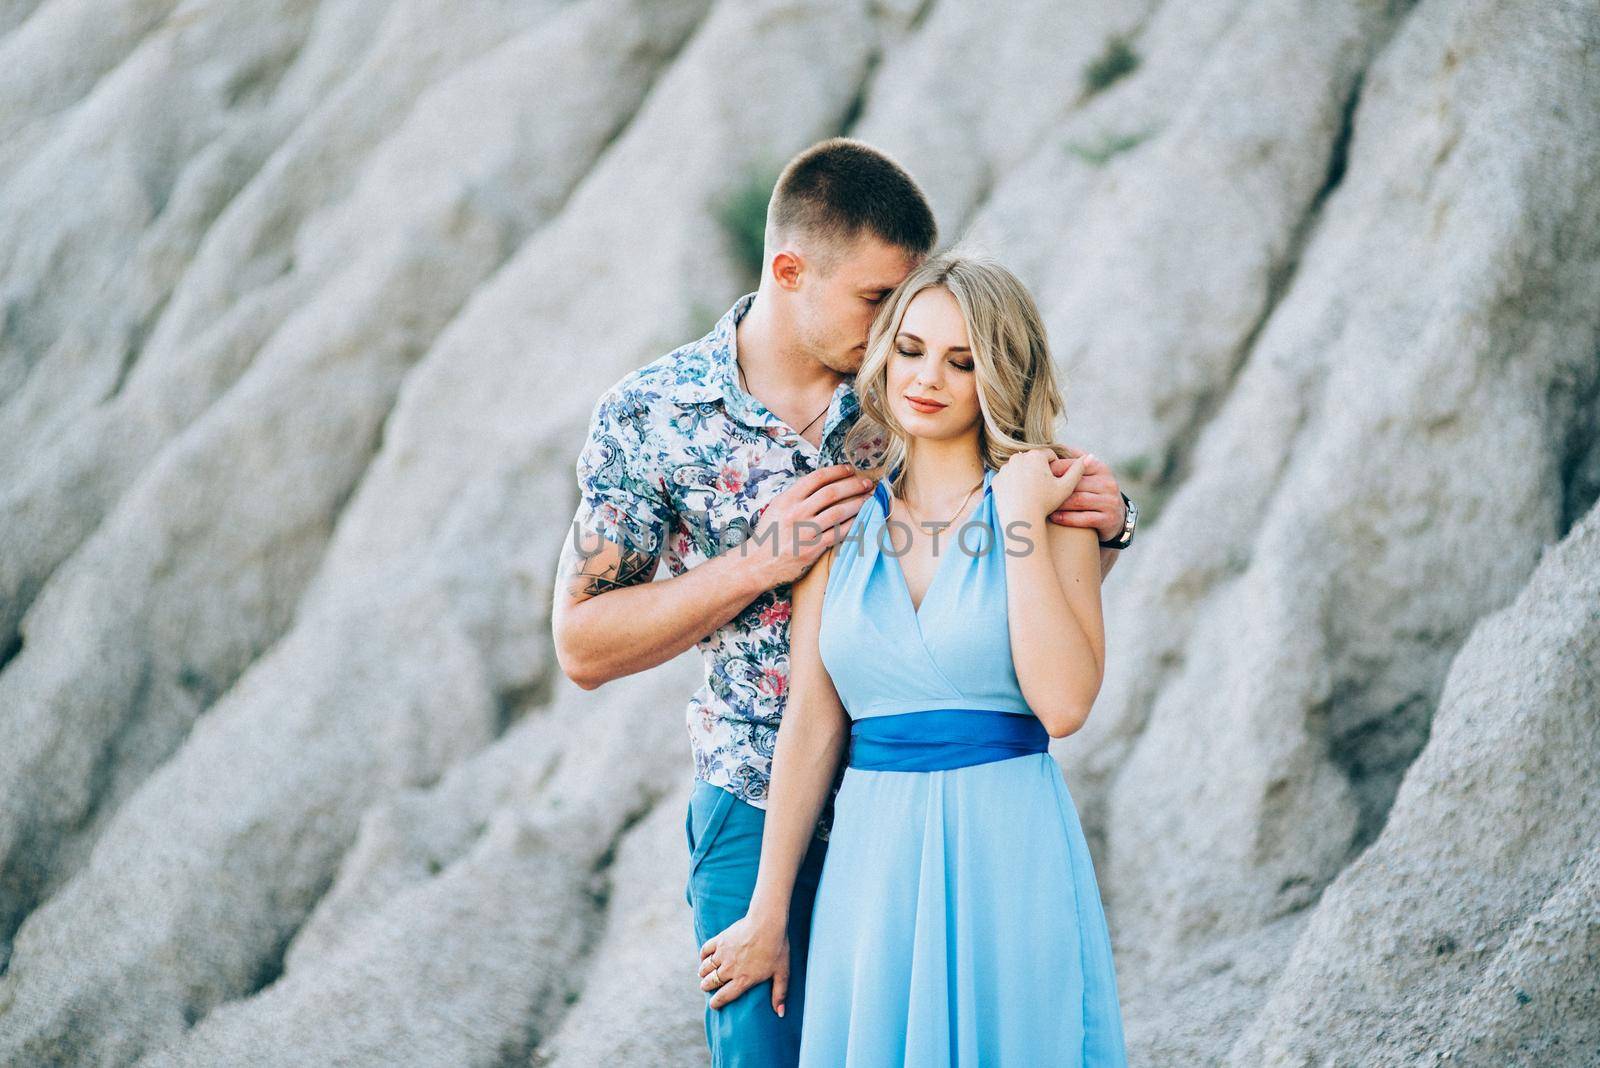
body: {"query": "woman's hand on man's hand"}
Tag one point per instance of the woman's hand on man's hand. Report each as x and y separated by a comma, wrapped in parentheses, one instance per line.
(1096, 501)
(1027, 488)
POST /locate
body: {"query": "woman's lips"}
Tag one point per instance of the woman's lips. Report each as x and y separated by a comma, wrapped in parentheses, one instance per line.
(924, 406)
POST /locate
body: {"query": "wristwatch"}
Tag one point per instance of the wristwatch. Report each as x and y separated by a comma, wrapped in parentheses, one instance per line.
(1125, 538)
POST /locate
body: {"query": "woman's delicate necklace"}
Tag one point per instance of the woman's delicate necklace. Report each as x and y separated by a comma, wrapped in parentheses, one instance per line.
(953, 518)
(802, 430)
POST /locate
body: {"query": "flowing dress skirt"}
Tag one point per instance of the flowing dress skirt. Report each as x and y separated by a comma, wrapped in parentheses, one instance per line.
(958, 922)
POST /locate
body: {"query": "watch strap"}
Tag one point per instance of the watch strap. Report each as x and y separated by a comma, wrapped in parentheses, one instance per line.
(1124, 537)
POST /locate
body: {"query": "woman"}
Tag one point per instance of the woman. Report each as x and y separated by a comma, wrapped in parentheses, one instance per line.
(957, 920)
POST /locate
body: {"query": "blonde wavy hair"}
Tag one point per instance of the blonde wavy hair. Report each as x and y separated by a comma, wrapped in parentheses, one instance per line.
(1022, 407)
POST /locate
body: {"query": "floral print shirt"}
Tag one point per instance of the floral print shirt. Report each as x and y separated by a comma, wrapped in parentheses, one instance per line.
(679, 462)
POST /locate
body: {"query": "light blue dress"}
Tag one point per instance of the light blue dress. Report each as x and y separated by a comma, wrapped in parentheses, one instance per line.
(957, 920)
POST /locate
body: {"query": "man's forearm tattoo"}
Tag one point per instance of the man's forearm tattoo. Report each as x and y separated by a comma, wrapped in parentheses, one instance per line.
(592, 575)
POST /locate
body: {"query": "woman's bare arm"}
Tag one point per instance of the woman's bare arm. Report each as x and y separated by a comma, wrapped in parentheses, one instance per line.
(813, 738)
(1057, 631)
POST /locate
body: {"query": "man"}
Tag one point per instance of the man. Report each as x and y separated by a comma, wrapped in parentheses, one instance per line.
(724, 458)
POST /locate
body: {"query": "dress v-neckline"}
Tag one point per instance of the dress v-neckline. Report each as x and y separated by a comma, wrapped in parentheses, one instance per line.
(939, 565)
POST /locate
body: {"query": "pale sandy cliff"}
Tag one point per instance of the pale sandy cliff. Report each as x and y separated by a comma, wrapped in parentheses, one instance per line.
(304, 305)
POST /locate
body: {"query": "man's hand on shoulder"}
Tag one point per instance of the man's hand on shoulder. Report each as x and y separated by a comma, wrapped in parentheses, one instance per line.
(799, 524)
(1097, 500)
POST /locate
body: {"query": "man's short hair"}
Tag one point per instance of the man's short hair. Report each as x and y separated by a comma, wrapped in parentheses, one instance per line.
(839, 189)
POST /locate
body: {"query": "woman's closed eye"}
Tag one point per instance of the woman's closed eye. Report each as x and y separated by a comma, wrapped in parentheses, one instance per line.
(914, 354)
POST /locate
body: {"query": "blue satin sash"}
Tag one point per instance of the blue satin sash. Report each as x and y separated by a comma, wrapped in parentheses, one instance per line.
(938, 739)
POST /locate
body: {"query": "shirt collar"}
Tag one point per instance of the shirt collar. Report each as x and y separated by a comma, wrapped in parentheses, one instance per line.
(719, 377)
(720, 381)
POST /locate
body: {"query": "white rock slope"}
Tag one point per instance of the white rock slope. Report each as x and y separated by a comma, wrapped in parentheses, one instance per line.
(303, 308)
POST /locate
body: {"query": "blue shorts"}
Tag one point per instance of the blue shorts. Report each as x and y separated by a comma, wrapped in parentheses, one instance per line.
(724, 835)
